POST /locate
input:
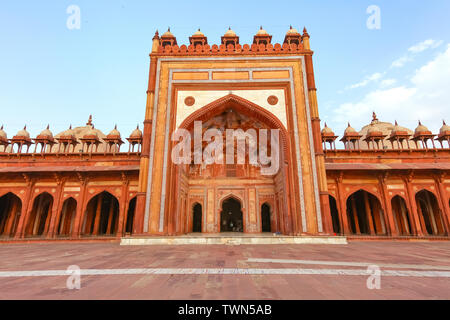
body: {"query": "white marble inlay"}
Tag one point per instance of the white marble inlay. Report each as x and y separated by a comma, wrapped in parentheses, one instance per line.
(205, 97)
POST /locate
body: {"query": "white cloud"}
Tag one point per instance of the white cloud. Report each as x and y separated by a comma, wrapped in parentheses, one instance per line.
(374, 77)
(388, 83)
(400, 62)
(427, 44)
(425, 97)
(415, 49)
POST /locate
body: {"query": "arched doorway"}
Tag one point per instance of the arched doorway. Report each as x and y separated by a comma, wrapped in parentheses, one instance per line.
(365, 214)
(130, 216)
(265, 218)
(10, 208)
(231, 219)
(335, 215)
(197, 218)
(247, 121)
(39, 219)
(101, 216)
(430, 214)
(67, 219)
(401, 216)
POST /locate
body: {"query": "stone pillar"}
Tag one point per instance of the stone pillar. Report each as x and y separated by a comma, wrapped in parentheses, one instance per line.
(124, 206)
(355, 215)
(78, 223)
(138, 226)
(98, 213)
(327, 224)
(369, 213)
(412, 203)
(342, 207)
(20, 233)
(56, 212)
(439, 180)
(387, 206)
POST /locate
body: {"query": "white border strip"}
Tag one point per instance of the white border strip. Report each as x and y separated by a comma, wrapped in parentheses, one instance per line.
(223, 271)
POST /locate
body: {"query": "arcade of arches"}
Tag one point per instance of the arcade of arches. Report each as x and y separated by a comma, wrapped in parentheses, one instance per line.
(373, 214)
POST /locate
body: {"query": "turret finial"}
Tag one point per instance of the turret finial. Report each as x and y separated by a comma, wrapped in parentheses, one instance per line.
(89, 123)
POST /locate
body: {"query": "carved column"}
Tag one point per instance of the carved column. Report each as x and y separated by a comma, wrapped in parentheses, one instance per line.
(342, 205)
(387, 205)
(98, 214)
(56, 212)
(123, 207)
(369, 214)
(412, 203)
(439, 180)
(76, 231)
(20, 233)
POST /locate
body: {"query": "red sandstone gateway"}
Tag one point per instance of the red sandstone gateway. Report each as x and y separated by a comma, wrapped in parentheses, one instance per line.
(387, 181)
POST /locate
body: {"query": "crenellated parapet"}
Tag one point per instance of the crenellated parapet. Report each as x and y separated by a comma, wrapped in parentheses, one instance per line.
(198, 44)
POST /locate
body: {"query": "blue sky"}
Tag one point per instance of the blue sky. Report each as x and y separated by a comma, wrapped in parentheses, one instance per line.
(50, 74)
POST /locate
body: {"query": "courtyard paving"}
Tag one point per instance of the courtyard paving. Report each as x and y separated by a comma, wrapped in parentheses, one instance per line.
(409, 270)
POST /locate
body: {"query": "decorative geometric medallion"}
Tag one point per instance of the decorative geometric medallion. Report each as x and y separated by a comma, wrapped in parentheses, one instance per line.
(189, 101)
(272, 100)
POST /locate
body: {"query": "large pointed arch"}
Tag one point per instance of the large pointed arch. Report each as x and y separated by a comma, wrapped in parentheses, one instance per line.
(242, 105)
(291, 204)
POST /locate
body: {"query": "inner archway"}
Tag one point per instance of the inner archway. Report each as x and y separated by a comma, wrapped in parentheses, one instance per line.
(334, 215)
(39, 219)
(67, 219)
(10, 207)
(130, 216)
(231, 219)
(197, 218)
(401, 216)
(102, 215)
(430, 214)
(243, 159)
(365, 214)
(265, 218)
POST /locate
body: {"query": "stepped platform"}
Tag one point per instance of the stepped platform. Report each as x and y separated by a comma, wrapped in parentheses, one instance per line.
(232, 239)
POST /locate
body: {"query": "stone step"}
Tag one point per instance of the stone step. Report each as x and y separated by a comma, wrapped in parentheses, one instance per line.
(233, 240)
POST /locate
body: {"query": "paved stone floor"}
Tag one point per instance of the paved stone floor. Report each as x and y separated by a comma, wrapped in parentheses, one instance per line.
(328, 275)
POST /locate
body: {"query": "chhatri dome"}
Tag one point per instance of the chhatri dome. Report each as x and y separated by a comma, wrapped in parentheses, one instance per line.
(3, 133)
(168, 33)
(349, 130)
(399, 129)
(68, 133)
(262, 32)
(23, 133)
(114, 132)
(327, 131)
(421, 128)
(445, 128)
(292, 31)
(46, 133)
(230, 33)
(136, 133)
(198, 33)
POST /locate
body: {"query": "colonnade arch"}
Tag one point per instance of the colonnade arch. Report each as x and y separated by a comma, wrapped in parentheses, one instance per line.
(401, 215)
(67, 217)
(335, 215)
(430, 214)
(38, 220)
(101, 215)
(365, 214)
(10, 208)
